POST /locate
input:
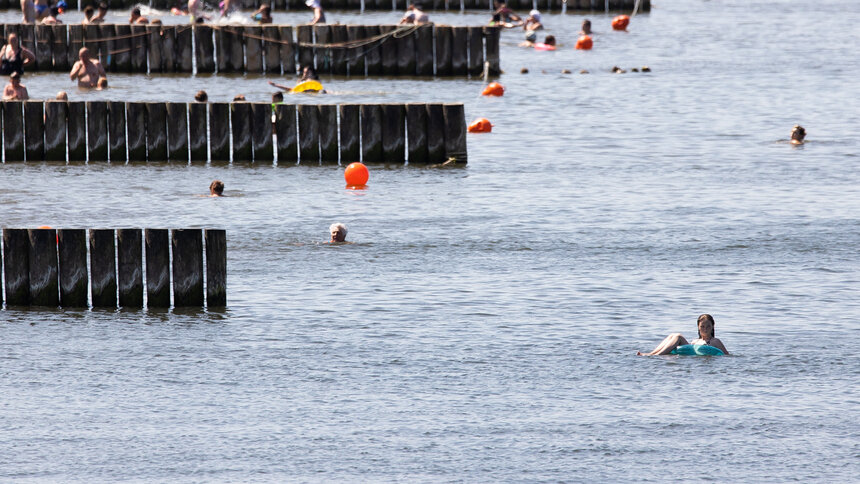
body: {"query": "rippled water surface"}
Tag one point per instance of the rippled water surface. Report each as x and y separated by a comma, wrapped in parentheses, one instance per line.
(482, 324)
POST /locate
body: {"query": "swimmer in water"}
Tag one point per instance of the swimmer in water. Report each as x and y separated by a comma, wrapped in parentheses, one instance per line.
(586, 27)
(797, 135)
(531, 38)
(533, 21)
(15, 91)
(308, 74)
(136, 18)
(216, 188)
(338, 233)
(87, 71)
(263, 15)
(674, 340)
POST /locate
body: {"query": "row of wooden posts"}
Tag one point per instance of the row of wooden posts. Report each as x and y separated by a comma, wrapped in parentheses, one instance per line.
(99, 131)
(543, 5)
(351, 50)
(48, 267)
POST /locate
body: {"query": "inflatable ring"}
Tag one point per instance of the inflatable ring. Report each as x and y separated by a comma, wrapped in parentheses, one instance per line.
(697, 350)
(310, 86)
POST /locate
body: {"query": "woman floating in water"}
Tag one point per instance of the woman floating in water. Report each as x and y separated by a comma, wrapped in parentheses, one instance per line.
(706, 337)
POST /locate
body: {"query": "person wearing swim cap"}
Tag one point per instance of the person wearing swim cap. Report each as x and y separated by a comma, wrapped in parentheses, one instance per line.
(705, 325)
(531, 38)
(316, 6)
(797, 135)
(533, 21)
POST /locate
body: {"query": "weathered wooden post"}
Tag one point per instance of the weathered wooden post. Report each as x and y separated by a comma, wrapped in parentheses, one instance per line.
(491, 36)
(350, 133)
(34, 120)
(388, 50)
(103, 268)
(121, 48)
(13, 131)
(138, 48)
(197, 124)
(130, 268)
(219, 131)
(305, 35)
(285, 130)
(60, 48)
(156, 131)
(187, 267)
(424, 50)
(459, 51)
(444, 38)
(416, 133)
(435, 134)
(261, 132)
(55, 131)
(372, 52)
(116, 132)
(355, 55)
(240, 122)
(272, 47)
(72, 248)
(177, 132)
(288, 52)
(184, 41)
(455, 132)
(16, 266)
(406, 59)
(371, 133)
(204, 47)
(97, 135)
(338, 54)
(136, 142)
(216, 268)
(309, 148)
(328, 133)
(476, 51)
(253, 50)
(157, 268)
(156, 47)
(77, 137)
(393, 133)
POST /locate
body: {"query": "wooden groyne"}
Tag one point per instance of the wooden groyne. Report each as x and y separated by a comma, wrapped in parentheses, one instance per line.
(101, 131)
(625, 6)
(348, 50)
(49, 267)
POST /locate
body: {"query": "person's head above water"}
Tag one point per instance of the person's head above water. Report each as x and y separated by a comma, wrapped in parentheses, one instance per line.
(13, 41)
(201, 96)
(277, 97)
(216, 188)
(706, 326)
(586, 26)
(338, 232)
(84, 54)
(62, 96)
(531, 36)
(549, 40)
(309, 74)
(797, 134)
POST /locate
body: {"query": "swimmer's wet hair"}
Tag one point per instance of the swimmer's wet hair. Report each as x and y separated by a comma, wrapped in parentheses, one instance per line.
(339, 227)
(217, 186)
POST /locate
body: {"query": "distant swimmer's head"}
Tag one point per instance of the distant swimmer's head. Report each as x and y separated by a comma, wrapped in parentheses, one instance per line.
(706, 327)
(62, 96)
(338, 232)
(216, 188)
(102, 83)
(549, 40)
(201, 96)
(797, 135)
(586, 27)
(277, 97)
(531, 36)
(535, 15)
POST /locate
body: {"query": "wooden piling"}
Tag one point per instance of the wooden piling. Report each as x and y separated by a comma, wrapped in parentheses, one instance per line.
(328, 133)
(72, 252)
(388, 50)
(216, 268)
(138, 48)
(177, 132)
(406, 59)
(135, 114)
(309, 149)
(322, 34)
(424, 50)
(491, 42)
(204, 47)
(97, 135)
(157, 268)
(76, 131)
(13, 131)
(261, 132)
(355, 55)
(272, 47)
(288, 52)
(168, 48)
(223, 38)
(92, 43)
(444, 37)
(187, 267)
(237, 53)
(44, 285)
(416, 133)
(184, 40)
(338, 55)
(350, 133)
(76, 41)
(240, 124)
(371, 133)
(121, 51)
(285, 130)
(305, 35)
(103, 268)
(108, 60)
(476, 51)
(253, 49)
(156, 131)
(60, 49)
(44, 36)
(459, 51)
(393, 133)
(372, 52)
(55, 131)
(130, 268)
(34, 120)
(16, 266)
(219, 131)
(156, 48)
(435, 134)
(197, 131)
(455, 132)
(116, 132)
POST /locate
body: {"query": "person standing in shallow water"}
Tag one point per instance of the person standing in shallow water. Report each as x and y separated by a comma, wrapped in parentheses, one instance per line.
(15, 91)
(674, 340)
(87, 71)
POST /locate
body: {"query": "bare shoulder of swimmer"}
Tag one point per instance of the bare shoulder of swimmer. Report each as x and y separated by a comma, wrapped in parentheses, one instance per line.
(716, 343)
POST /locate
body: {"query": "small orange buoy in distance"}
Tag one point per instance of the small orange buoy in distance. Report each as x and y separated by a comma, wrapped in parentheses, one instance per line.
(481, 125)
(494, 89)
(620, 22)
(584, 43)
(356, 174)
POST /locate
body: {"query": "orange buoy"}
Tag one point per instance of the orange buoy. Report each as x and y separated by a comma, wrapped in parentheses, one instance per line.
(620, 22)
(494, 89)
(356, 174)
(43, 227)
(481, 125)
(584, 43)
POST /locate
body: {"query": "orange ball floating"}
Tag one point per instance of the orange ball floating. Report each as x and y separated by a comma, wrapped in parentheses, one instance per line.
(356, 174)
(494, 89)
(481, 125)
(620, 22)
(584, 43)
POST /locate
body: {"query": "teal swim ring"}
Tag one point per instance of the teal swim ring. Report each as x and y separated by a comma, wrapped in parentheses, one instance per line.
(697, 350)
